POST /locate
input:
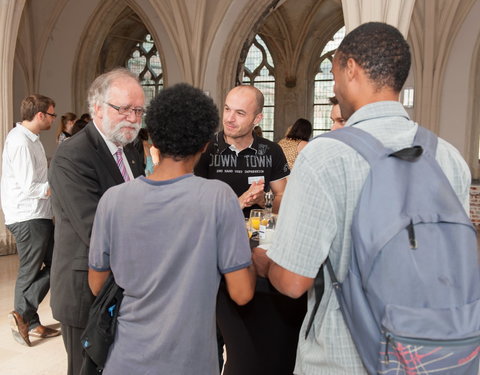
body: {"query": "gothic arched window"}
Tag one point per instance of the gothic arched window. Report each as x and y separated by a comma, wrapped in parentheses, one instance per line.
(144, 61)
(258, 70)
(323, 87)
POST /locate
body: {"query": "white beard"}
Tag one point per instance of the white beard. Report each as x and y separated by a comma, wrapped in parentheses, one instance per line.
(115, 133)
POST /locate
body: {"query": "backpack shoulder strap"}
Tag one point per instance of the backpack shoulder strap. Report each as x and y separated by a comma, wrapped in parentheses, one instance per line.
(427, 139)
(364, 143)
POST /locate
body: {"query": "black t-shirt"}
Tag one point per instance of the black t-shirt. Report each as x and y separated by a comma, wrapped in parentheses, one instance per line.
(264, 160)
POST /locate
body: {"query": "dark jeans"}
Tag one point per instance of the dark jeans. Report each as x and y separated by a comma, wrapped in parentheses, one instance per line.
(34, 240)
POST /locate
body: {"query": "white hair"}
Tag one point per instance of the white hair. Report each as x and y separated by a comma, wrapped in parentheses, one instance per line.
(100, 87)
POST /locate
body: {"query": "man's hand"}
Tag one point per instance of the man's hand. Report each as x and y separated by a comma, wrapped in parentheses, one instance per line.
(261, 261)
(254, 195)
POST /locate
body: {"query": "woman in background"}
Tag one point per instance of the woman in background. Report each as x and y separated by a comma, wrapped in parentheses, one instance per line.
(258, 131)
(296, 139)
(86, 117)
(79, 125)
(65, 127)
(144, 145)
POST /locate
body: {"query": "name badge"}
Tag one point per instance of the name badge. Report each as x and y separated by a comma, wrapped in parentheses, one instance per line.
(253, 179)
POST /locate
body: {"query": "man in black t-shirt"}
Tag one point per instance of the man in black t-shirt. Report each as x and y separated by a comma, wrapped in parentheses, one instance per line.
(249, 164)
(261, 337)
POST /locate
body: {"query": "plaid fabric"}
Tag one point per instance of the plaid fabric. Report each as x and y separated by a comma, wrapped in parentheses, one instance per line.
(315, 219)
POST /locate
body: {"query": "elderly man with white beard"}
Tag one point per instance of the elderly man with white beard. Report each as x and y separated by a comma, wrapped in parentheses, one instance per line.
(83, 168)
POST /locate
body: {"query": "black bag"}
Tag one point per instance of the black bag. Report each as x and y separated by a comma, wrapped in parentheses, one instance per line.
(101, 325)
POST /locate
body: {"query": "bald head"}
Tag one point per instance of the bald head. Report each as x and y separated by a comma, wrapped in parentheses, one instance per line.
(241, 113)
(250, 90)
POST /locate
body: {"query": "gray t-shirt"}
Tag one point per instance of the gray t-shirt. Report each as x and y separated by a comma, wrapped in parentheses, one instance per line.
(167, 244)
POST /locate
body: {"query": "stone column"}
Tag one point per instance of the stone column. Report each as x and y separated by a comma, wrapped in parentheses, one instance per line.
(10, 15)
(394, 12)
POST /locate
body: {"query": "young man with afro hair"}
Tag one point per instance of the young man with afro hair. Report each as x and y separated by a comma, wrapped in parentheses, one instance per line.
(167, 239)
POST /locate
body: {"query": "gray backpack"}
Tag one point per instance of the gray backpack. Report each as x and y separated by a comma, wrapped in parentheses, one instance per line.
(411, 297)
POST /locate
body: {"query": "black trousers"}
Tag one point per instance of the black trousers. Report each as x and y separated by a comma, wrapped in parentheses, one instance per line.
(34, 240)
(71, 339)
(261, 337)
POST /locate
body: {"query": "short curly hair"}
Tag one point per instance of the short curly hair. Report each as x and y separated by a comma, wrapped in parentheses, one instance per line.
(381, 51)
(180, 120)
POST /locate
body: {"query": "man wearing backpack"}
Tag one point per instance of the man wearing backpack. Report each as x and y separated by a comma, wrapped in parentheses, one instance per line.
(370, 67)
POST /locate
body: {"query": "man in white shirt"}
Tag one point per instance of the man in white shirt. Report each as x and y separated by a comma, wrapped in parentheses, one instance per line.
(28, 214)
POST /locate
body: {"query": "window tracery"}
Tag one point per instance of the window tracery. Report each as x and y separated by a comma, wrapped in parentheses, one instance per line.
(144, 61)
(323, 85)
(259, 71)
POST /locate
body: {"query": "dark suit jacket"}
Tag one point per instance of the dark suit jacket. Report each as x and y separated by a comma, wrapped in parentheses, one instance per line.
(80, 172)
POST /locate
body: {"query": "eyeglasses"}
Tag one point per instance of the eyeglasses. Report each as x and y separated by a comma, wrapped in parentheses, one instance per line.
(54, 115)
(126, 110)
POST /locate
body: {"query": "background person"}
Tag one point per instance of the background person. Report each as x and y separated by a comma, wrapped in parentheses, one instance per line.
(143, 145)
(296, 139)
(79, 125)
(87, 117)
(28, 214)
(81, 170)
(258, 131)
(338, 121)
(166, 321)
(64, 130)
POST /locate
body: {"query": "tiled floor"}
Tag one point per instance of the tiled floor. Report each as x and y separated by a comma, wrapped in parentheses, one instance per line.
(44, 357)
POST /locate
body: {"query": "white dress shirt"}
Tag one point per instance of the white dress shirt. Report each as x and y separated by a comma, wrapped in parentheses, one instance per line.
(24, 184)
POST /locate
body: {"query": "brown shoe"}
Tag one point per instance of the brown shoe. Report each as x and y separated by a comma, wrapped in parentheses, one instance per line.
(43, 332)
(19, 328)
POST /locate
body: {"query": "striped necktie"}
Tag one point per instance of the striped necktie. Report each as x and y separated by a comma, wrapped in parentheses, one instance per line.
(121, 165)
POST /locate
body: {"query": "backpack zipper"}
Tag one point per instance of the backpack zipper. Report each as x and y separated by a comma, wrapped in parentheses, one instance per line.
(387, 359)
(414, 341)
(411, 235)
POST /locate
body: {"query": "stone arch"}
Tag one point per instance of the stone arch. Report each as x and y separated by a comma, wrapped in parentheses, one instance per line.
(247, 26)
(290, 49)
(115, 26)
(430, 52)
(30, 50)
(330, 27)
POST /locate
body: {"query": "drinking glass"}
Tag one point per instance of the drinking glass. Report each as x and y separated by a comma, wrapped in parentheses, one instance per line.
(249, 228)
(267, 228)
(255, 219)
